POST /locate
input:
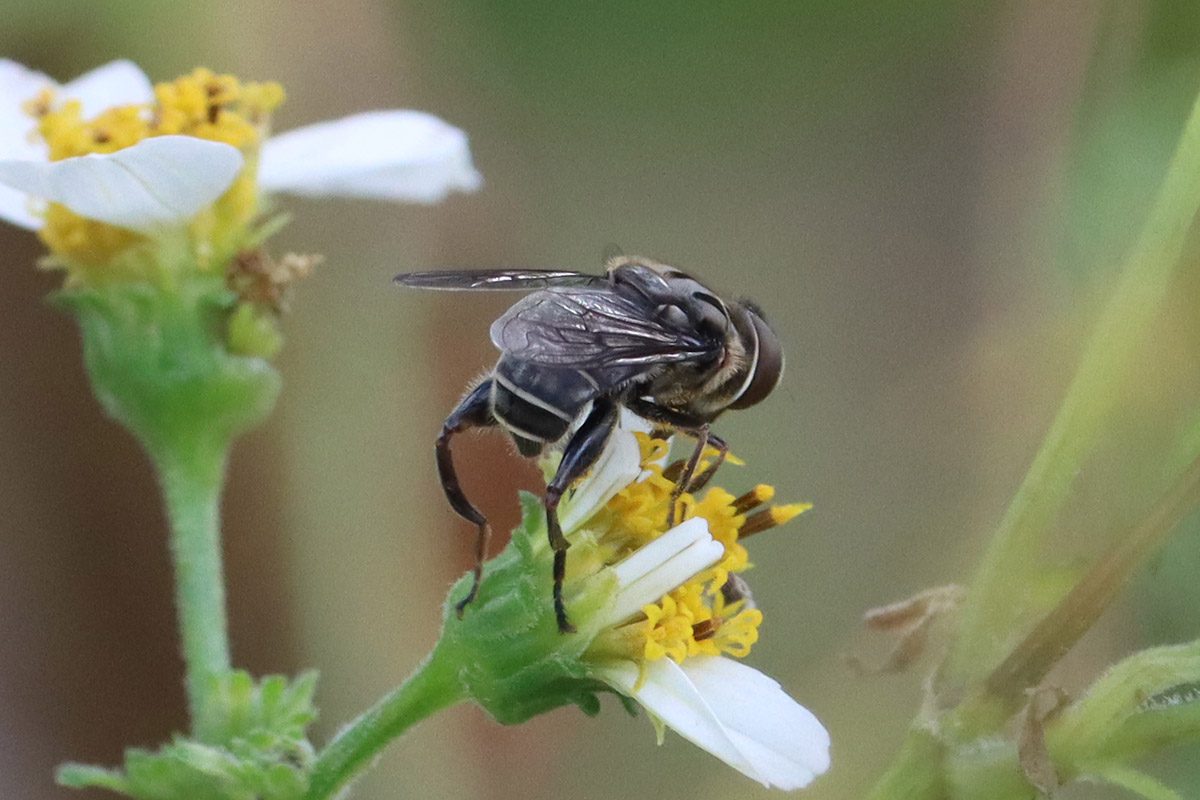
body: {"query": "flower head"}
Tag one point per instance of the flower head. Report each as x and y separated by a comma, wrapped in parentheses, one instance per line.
(663, 616)
(106, 166)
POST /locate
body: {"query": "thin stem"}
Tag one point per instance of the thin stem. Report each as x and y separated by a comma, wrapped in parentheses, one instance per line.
(990, 613)
(1059, 630)
(433, 687)
(191, 483)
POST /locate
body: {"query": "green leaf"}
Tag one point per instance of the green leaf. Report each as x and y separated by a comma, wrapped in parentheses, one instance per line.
(86, 776)
(1146, 702)
(255, 748)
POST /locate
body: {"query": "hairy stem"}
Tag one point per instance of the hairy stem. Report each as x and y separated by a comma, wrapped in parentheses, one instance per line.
(433, 687)
(191, 482)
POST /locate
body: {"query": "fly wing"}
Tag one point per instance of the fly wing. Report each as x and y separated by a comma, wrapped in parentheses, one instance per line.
(588, 328)
(496, 279)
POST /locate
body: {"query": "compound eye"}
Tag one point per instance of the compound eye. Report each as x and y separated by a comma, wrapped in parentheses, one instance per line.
(767, 367)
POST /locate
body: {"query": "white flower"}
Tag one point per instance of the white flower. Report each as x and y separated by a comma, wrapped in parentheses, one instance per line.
(718, 703)
(165, 180)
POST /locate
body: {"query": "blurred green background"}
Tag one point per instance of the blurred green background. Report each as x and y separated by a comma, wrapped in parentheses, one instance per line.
(929, 199)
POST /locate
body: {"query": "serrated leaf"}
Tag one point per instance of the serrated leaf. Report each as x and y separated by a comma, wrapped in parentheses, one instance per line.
(254, 748)
(86, 776)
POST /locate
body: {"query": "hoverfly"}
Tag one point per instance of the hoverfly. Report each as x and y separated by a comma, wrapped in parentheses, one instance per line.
(644, 335)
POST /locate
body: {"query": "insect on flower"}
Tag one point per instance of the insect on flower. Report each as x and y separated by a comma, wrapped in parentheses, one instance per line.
(645, 335)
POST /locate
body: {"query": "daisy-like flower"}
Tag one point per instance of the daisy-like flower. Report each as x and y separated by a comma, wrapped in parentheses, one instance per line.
(102, 164)
(663, 617)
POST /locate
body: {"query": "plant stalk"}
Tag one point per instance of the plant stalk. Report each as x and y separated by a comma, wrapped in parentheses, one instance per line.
(1059, 630)
(989, 614)
(433, 687)
(191, 483)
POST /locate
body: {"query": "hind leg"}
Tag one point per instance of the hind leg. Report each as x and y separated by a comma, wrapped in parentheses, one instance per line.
(473, 412)
(582, 451)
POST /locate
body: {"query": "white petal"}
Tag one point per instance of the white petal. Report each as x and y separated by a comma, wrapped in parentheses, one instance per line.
(117, 83)
(617, 467)
(659, 551)
(661, 566)
(668, 694)
(632, 422)
(785, 743)
(385, 155)
(18, 84)
(156, 183)
(15, 208)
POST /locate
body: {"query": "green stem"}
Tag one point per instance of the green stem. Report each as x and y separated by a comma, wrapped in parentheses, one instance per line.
(991, 613)
(433, 687)
(191, 481)
(1059, 630)
(917, 770)
(916, 774)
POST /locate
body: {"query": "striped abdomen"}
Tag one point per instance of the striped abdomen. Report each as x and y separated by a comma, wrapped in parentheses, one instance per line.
(537, 404)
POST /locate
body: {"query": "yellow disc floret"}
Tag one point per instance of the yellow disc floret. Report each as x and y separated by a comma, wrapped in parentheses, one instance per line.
(202, 104)
(712, 614)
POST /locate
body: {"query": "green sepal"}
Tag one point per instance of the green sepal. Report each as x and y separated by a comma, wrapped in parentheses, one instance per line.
(254, 331)
(511, 658)
(256, 749)
(159, 364)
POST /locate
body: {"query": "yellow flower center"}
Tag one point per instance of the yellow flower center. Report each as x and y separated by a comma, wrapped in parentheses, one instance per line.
(203, 104)
(709, 615)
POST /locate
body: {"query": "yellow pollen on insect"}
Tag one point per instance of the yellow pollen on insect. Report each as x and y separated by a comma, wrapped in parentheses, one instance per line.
(202, 104)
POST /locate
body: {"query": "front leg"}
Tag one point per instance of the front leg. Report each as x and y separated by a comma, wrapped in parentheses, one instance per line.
(706, 475)
(687, 480)
(580, 454)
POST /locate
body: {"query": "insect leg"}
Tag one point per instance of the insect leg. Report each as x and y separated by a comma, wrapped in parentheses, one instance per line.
(473, 412)
(689, 470)
(689, 424)
(706, 475)
(581, 453)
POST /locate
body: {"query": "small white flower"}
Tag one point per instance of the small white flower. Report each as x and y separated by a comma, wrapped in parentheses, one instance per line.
(718, 703)
(164, 181)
